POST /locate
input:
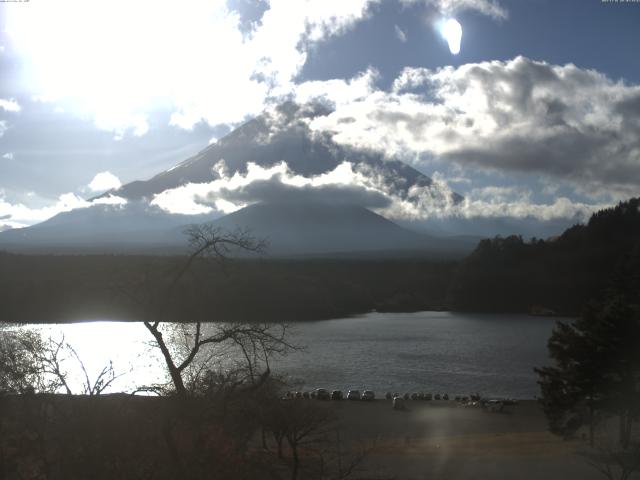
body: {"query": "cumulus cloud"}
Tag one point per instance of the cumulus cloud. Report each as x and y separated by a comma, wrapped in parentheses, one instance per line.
(104, 181)
(18, 215)
(521, 115)
(345, 184)
(9, 105)
(233, 69)
(492, 8)
(364, 185)
(230, 71)
(276, 183)
(338, 92)
(8, 156)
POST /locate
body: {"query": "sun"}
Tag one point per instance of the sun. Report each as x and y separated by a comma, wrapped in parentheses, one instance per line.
(451, 30)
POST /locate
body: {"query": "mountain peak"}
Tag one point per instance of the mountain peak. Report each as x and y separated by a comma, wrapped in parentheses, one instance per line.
(283, 135)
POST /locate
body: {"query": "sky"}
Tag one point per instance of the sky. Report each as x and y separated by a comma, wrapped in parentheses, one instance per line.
(537, 115)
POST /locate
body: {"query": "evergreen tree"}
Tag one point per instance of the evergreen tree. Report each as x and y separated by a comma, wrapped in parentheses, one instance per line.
(597, 369)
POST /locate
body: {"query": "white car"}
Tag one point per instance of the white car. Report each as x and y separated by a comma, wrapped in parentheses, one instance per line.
(353, 395)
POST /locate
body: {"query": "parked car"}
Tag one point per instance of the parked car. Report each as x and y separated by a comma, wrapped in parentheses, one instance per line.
(368, 395)
(445, 396)
(337, 395)
(298, 394)
(436, 396)
(428, 396)
(389, 396)
(353, 395)
(398, 403)
(305, 395)
(414, 396)
(322, 394)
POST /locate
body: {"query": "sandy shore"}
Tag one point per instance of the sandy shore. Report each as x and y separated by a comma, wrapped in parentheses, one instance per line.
(443, 440)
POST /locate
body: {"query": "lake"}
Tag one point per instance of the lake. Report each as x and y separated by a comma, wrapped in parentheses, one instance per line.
(456, 353)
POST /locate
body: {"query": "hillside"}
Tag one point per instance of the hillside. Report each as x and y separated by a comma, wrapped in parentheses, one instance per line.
(560, 275)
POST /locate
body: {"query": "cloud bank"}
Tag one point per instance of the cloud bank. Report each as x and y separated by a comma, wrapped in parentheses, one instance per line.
(18, 215)
(360, 184)
(202, 61)
(9, 105)
(524, 116)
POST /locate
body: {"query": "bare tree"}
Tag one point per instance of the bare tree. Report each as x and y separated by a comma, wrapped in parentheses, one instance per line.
(190, 350)
(305, 425)
(30, 362)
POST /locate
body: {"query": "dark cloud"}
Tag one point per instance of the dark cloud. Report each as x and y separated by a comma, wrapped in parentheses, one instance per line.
(274, 191)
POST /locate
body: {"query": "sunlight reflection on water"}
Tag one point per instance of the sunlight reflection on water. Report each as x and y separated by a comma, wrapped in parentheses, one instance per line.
(424, 351)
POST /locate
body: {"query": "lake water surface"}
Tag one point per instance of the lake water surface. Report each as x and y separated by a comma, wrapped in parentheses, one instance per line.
(404, 352)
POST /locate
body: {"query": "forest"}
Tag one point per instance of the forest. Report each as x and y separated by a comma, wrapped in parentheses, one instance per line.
(552, 276)
(559, 275)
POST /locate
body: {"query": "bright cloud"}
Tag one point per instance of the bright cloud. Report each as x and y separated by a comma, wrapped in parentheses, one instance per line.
(491, 8)
(226, 74)
(364, 185)
(338, 92)
(3, 127)
(18, 215)
(104, 181)
(8, 156)
(563, 122)
(9, 105)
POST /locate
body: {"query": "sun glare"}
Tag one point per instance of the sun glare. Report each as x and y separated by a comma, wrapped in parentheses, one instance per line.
(119, 60)
(451, 30)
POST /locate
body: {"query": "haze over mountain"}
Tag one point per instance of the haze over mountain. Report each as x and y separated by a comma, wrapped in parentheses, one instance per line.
(320, 229)
(134, 228)
(301, 191)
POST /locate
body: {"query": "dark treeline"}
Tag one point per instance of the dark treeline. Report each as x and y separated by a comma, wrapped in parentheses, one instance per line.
(509, 274)
(47, 288)
(560, 275)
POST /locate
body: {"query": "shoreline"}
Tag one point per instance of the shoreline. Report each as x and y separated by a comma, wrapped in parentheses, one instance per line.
(294, 322)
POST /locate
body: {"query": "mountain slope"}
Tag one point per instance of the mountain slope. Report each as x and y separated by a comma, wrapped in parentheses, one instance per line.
(316, 228)
(284, 136)
(103, 228)
(275, 207)
(321, 229)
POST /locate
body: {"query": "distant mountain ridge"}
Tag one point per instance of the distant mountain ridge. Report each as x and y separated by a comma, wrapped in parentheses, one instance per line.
(297, 221)
(289, 230)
